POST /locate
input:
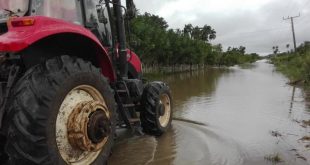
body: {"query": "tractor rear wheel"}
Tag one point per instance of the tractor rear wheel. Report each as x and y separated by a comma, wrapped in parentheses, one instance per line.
(4, 71)
(62, 112)
(3, 155)
(156, 113)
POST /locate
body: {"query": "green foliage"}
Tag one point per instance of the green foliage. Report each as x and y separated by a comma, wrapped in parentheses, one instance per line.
(295, 65)
(235, 56)
(156, 44)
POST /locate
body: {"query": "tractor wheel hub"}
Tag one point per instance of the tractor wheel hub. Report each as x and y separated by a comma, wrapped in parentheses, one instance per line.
(98, 127)
(89, 126)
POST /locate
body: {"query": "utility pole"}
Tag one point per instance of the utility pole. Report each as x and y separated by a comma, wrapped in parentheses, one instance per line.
(293, 29)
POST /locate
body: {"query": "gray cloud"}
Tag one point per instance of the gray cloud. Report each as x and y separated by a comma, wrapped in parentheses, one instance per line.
(258, 27)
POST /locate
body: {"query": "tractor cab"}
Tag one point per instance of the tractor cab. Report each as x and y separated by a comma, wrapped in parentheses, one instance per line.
(92, 14)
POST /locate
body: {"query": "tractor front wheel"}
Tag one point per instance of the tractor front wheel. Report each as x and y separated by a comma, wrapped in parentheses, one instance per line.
(156, 113)
(62, 112)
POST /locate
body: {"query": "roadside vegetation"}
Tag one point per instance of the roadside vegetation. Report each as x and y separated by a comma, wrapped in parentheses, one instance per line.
(295, 65)
(274, 158)
(157, 45)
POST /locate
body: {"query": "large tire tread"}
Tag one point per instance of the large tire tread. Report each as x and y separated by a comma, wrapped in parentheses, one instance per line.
(149, 114)
(30, 108)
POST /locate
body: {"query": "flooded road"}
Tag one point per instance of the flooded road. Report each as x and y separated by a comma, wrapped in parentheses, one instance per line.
(243, 115)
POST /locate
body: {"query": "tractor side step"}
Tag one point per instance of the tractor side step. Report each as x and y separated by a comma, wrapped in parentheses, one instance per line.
(121, 91)
(129, 105)
(134, 120)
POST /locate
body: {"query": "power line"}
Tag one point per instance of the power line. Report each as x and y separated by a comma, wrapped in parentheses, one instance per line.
(293, 29)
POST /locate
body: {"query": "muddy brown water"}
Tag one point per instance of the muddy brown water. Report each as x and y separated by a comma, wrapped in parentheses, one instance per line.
(242, 115)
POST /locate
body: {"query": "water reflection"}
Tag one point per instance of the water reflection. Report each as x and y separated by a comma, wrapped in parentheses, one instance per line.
(193, 86)
(135, 150)
(307, 98)
(234, 112)
(166, 149)
(292, 99)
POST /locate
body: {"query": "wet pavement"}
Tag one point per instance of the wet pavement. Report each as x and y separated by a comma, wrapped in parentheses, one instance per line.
(241, 115)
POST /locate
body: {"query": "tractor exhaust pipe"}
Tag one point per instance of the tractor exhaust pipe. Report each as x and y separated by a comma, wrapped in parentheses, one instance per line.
(121, 35)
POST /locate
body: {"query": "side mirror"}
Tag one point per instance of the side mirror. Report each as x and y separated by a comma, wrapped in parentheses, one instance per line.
(101, 16)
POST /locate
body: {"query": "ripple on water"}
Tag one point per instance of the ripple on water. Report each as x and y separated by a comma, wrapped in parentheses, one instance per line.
(200, 145)
(134, 151)
(184, 144)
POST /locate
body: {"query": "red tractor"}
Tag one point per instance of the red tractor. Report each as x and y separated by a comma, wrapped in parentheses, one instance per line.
(67, 81)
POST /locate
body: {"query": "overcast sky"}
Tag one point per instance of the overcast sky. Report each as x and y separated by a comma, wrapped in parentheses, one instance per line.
(256, 24)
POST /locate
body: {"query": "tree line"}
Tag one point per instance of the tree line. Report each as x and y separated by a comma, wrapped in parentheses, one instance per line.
(156, 44)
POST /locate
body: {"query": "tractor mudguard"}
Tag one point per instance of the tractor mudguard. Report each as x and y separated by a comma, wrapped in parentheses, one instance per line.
(19, 38)
(135, 61)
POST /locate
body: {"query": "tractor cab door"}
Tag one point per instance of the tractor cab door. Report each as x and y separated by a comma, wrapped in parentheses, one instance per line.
(97, 20)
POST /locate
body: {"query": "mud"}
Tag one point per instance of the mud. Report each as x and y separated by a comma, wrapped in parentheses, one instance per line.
(241, 115)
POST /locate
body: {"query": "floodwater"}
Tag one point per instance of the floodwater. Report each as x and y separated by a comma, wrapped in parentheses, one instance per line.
(241, 115)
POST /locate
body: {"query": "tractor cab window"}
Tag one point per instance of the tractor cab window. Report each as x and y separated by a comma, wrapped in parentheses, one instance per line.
(95, 12)
(91, 12)
(68, 10)
(13, 8)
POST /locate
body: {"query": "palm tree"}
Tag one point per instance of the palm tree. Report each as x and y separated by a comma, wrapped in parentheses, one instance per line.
(275, 49)
(288, 48)
(196, 33)
(207, 33)
(188, 29)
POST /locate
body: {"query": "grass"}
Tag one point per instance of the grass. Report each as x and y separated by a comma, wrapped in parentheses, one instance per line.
(295, 66)
(306, 123)
(305, 138)
(274, 158)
